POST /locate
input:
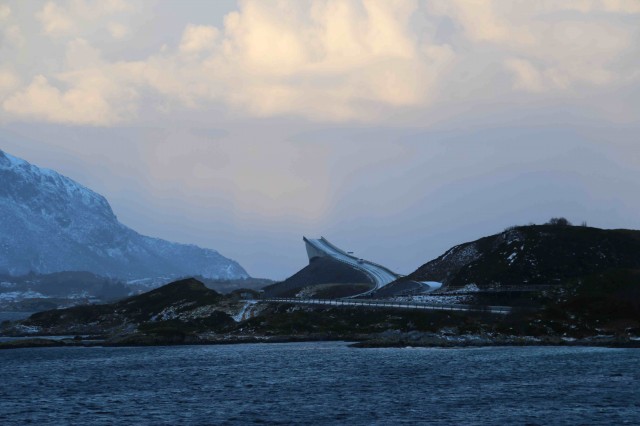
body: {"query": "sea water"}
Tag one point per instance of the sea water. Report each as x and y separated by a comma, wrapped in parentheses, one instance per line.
(319, 383)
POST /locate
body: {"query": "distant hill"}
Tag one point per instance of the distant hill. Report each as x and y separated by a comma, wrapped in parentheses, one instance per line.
(64, 284)
(50, 223)
(221, 285)
(37, 292)
(533, 255)
(228, 286)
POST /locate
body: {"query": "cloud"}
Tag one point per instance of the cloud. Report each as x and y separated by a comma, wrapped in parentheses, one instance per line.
(527, 77)
(42, 101)
(113, 6)
(55, 19)
(197, 38)
(548, 45)
(5, 11)
(620, 6)
(74, 18)
(117, 31)
(335, 61)
(8, 82)
(12, 35)
(330, 60)
(89, 92)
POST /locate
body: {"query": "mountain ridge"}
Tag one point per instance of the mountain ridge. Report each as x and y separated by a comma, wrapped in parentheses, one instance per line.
(533, 255)
(51, 223)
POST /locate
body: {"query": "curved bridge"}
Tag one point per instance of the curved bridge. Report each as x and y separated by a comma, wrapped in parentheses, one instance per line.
(379, 274)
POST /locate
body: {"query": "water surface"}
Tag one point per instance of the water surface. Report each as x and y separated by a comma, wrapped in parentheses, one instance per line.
(319, 383)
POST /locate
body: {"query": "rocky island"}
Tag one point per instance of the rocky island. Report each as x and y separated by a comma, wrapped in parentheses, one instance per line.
(552, 284)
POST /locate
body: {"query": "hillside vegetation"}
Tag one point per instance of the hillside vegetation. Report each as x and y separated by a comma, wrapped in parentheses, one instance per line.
(534, 255)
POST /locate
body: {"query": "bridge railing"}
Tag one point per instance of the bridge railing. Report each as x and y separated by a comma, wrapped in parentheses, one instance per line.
(356, 258)
(355, 261)
(502, 289)
(391, 304)
(354, 264)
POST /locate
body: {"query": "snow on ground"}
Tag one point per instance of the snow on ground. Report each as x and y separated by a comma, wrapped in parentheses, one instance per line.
(15, 296)
(466, 255)
(27, 329)
(437, 299)
(469, 288)
(513, 236)
(245, 311)
(172, 312)
(433, 285)
(458, 296)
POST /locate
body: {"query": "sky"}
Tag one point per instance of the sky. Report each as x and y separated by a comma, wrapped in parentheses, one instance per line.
(396, 129)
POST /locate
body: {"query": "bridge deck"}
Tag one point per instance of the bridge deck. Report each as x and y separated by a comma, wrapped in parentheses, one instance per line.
(379, 274)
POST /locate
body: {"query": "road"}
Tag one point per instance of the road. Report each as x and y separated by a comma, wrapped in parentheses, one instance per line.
(393, 305)
(380, 275)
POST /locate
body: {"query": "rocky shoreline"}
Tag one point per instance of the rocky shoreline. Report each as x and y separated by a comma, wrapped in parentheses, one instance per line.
(431, 340)
(387, 339)
(188, 313)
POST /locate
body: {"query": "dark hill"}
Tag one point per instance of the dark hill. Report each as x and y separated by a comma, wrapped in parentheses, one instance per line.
(534, 255)
(187, 293)
(186, 303)
(605, 297)
(64, 284)
(229, 286)
(321, 270)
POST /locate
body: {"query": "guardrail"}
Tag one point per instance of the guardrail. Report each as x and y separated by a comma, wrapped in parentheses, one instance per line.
(389, 271)
(353, 265)
(390, 304)
(353, 262)
(502, 289)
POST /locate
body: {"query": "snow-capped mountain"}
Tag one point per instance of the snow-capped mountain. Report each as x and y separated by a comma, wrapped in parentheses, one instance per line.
(50, 223)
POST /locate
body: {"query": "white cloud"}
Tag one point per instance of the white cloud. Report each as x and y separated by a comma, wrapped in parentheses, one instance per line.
(55, 19)
(114, 6)
(42, 101)
(335, 60)
(89, 92)
(342, 61)
(527, 77)
(117, 30)
(330, 60)
(197, 38)
(12, 35)
(9, 81)
(81, 55)
(75, 18)
(620, 6)
(550, 45)
(5, 12)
